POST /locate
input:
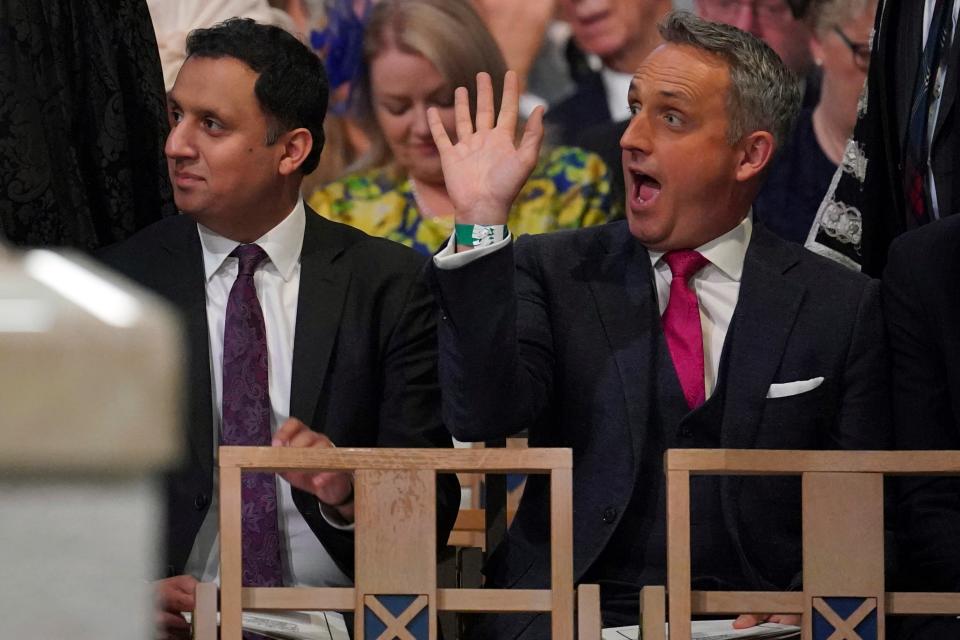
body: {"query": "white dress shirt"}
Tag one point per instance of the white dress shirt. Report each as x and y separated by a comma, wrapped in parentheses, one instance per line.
(277, 280)
(717, 285)
(617, 85)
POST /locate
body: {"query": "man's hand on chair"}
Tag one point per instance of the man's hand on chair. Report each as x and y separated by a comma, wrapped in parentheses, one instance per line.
(334, 489)
(173, 596)
(753, 619)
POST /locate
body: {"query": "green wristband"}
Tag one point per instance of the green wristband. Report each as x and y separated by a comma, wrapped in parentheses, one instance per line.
(480, 235)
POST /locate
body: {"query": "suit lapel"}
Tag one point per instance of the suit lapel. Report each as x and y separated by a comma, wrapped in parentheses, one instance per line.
(621, 284)
(323, 287)
(762, 321)
(185, 286)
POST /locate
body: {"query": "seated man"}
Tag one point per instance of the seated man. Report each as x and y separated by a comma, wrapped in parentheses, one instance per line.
(302, 332)
(922, 311)
(686, 325)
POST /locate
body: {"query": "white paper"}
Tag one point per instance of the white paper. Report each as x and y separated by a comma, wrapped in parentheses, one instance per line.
(295, 625)
(714, 630)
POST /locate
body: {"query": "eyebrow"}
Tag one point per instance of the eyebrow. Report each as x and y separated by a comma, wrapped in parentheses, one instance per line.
(674, 95)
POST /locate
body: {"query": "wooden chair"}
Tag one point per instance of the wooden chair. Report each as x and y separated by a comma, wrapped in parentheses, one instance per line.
(843, 595)
(395, 593)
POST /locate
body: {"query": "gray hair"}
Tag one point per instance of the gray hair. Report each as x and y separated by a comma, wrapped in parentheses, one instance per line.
(764, 95)
(827, 14)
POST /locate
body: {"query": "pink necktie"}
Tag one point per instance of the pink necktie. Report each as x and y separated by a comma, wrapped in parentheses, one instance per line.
(681, 325)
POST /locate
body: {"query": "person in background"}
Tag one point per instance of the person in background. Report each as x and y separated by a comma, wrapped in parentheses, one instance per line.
(174, 19)
(415, 53)
(620, 33)
(83, 118)
(906, 142)
(802, 172)
(922, 311)
(779, 23)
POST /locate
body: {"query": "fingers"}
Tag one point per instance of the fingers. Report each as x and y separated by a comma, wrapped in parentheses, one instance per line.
(332, 488)
(748, 620)
(176, 594)
(532, 137)
(173, 624)
(509, 105)
(485, 112)
(288, 431)
(461, 113)
(785, 618)
(439, 132)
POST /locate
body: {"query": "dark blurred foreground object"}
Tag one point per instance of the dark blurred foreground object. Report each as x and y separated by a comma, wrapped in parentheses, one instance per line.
(82, 122)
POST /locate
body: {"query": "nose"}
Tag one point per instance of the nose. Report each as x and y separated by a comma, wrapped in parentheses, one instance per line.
(745, 18)
(420, 127)
(636, 138)
(179, 144)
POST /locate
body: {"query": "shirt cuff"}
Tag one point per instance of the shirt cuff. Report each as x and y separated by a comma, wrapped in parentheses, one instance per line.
(448, 258)
(334, 519)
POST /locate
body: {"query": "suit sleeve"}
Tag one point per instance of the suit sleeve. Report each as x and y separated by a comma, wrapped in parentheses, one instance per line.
(410, 404)
(408, 414)
(929, 508)
(496, 358)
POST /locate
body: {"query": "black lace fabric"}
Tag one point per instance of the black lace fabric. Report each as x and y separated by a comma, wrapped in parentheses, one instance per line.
(82, 123)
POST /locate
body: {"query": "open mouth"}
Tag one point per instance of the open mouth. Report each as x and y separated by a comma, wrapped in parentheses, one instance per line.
(645, 189)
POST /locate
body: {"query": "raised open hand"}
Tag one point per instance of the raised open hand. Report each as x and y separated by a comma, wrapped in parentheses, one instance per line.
(486, 169)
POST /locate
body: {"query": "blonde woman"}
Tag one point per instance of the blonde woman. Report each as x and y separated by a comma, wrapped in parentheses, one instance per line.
(415, 53)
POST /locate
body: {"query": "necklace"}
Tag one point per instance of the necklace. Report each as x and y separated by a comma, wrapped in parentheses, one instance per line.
(425, 211)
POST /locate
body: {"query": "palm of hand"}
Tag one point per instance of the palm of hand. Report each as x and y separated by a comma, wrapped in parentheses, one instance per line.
(485, 170)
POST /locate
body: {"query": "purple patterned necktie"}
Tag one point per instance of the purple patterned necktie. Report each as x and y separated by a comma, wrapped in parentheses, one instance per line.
(246, 419)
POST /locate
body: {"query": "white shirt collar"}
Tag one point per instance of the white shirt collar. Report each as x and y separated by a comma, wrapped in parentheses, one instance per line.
(725, 252)
(282, 244)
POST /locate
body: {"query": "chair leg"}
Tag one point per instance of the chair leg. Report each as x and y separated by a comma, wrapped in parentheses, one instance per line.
(205, 612)
(588, 612)
(653, 617)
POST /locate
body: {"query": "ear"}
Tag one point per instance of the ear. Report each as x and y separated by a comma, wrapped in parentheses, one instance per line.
(756, 153)
(296, 145)
(816, 50)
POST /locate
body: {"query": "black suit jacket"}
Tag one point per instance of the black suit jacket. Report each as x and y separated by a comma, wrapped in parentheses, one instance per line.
(922, 309)
(364, 360)
(557, 334)
(586, 107)
(897, 48)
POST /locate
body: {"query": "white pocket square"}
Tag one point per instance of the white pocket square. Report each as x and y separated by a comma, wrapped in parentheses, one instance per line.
(785, 389)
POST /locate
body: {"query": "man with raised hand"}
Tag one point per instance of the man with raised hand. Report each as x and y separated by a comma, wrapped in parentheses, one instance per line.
(685, 325)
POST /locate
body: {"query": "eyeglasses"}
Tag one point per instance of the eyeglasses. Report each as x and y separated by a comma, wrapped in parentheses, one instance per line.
(860, 50)
(768, 11)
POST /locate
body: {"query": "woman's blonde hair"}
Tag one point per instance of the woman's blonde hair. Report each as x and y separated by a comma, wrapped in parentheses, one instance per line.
(448, 33)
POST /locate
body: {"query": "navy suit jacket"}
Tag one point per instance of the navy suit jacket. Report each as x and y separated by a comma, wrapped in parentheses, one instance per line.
(922, 309)
(557, 334)
(364, 360)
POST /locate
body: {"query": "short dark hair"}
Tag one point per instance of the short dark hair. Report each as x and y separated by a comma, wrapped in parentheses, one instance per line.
(292, 86)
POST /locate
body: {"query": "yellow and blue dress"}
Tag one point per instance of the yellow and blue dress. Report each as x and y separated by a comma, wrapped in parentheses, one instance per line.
(568, 189)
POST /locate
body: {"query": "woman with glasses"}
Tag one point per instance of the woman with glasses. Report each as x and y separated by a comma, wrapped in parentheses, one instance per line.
(801, 175)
